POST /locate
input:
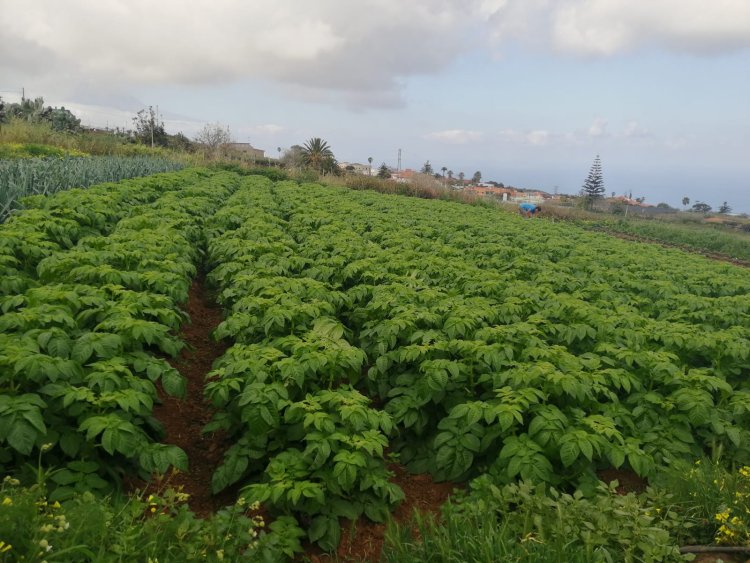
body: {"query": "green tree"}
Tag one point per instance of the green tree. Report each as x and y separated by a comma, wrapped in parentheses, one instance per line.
(700, 207)
(149, 129)
(477, 177)
(593, 187)
(450, 174)
(461, 177)
(444, 169)
(369, 160)
(725, 208)
(685, 201)
(293, 158)
(180, 142)
(317, 154)
(63, 120)
(383, 172)
(427, 168)
(29, 110)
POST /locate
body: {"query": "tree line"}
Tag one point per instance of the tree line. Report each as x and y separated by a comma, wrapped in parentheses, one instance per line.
(34, 111)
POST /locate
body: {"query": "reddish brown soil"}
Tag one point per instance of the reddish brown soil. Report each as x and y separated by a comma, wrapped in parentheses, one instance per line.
(184, 419)
(363, 540)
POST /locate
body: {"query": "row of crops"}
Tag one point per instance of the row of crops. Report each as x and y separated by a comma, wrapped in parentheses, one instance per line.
(494, 345)
(465, 341)
(89, 292)
(20, 177)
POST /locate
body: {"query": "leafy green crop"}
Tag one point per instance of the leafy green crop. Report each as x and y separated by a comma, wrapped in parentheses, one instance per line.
(465, 341)
(82, 339)
(534, 351)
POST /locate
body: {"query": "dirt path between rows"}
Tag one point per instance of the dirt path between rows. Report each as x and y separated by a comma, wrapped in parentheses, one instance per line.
(363, 540)
(184, 419)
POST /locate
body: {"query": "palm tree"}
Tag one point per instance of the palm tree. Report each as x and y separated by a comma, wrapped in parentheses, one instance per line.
(450, 174)
(317, 154)
(369, 159)
(444, 169)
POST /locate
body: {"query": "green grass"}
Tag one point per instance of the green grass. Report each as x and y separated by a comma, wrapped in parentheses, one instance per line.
(523, 522)
(733, 243)
(34, 150)
(140, 527)
(702, 503)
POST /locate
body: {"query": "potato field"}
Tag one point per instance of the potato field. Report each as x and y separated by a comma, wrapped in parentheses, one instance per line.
(362, 328)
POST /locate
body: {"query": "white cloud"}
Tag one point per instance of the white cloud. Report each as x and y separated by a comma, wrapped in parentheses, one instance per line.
(594, 134)
(633, 129)
(534, 138)
(608, 27)
(538, 137)
(359, 51)
(360, 54)
(598, 128)
(455, 136)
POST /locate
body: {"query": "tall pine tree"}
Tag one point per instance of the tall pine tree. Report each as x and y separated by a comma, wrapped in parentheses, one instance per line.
(593, 187)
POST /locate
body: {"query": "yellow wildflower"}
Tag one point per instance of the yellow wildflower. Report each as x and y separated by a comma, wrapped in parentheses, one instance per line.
(5, 547)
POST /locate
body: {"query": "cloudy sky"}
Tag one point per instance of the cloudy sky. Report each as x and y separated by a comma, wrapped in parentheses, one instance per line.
(526, 91)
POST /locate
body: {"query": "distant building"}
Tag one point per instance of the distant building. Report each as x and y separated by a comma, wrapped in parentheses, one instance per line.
(508, 194)
(504, 194)
(629, 201)
(246, 148)
(404, 176)
(530, 196)
(357, 168)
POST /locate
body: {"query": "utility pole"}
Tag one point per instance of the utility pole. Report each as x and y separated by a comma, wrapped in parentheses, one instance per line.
(153, 119)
